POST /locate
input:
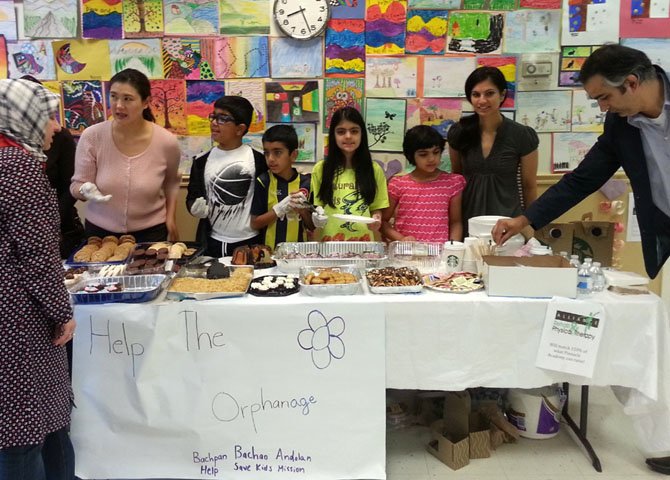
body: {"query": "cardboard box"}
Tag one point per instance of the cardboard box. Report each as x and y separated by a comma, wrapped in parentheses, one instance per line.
(535, 277)
(480, 436)
(558, 236)
(595, 240)
(453, 451)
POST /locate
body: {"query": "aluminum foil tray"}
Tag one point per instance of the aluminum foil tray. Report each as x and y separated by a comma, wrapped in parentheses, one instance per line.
(328, 254)
(136, 289)
(425, 256)
(331, 289)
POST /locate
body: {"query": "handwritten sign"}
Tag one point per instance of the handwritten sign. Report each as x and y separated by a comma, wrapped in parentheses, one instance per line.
(229, 390)
(571, 336)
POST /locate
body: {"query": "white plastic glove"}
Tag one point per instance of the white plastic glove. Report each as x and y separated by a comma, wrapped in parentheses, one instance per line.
(319, 218)
(200, 209)
(283, 207)
(299, 200)
(90, 192)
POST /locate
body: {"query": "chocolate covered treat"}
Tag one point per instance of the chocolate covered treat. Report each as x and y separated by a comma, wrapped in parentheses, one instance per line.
(218, 270)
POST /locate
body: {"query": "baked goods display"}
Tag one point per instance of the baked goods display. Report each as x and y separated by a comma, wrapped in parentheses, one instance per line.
(150, 258)
(100, 287)
(274, 286)
(135, 289)
(236, 283)
(394, 280)
(425, 256)
(458, 282)
(290, 256)
(104, 250)
(329, 276)
(330, 280)
(260, 256)
(74, 274)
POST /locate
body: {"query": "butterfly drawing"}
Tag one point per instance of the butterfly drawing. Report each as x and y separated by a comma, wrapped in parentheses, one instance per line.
(388, 115)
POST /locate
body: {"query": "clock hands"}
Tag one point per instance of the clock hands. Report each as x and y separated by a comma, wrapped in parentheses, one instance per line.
(301, 10)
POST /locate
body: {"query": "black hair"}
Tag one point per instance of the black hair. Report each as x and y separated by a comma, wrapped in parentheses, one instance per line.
(419, 138)
(139, 82)
(240, 108)
(282, 133)
(615, 62)
(30, 78)
(335, 162)
(470, 133)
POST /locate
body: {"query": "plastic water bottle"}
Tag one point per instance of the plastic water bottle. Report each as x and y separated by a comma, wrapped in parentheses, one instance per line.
(598, 277)
(564, 255)
(574, 261)
(584, 281)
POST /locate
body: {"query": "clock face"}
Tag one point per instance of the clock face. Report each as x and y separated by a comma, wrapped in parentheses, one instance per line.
(302, 19)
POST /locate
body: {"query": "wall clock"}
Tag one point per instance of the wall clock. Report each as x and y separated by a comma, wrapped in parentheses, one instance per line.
(302, 19)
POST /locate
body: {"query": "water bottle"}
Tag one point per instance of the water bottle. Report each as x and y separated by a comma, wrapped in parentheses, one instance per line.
(598, 277)
(584, 281)
(564, 255)
(574, 261)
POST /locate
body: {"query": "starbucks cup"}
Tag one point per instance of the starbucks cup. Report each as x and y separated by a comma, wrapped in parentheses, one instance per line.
(453, 253)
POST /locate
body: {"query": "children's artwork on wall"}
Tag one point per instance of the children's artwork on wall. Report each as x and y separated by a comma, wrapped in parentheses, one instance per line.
(657, 49)
(101, 19)
(33, 57)
(345, 48)
(78, 59)
(306, 141)
(293, 58)
(590, 22)
(568, 150)
(644, 19)
(142, 18)
(244, 17)
(439, 113)
(385, 27)
(238, 57)
(385, 120)
(391, 77)
(445, 76)
(4, 68)
(182, 58)
(393, 163)
(54, 87)
(537, 71)
(168, 104)
(426, 32)
(254, 91)
(540, 4)
(192, 147)
(347, 9)
(143, 54)
(186, 17)
(441, 4)
(490, 4)
(507, 65)
(289, 102)
(200, 96)
(545, 111)
(50, 18)
(8, 20)
(254, 141)
(571, 61)
(82, 104)
(475, 32)
(528, 31)
(586, 114)
(339, 93)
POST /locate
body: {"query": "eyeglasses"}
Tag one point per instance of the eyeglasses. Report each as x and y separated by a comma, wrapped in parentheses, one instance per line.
(220, 118)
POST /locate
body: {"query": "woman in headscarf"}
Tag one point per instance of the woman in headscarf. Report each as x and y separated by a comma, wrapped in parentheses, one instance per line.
(36, 318)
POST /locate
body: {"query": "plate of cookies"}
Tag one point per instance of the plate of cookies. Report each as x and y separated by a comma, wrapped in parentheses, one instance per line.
(102, 251)
(457, 282)
(158, 257)
(319, 281)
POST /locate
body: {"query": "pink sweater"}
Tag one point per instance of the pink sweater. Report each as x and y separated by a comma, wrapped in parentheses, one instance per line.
(138, 184)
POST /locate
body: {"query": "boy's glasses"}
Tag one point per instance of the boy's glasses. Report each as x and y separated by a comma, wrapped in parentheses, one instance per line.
(220, 118)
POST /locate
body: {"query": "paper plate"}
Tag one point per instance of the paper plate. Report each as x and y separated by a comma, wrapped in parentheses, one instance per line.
(460, 282)
(353, 218)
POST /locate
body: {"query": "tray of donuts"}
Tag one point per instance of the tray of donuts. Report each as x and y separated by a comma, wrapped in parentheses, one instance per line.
(99, 252)
(159, 257)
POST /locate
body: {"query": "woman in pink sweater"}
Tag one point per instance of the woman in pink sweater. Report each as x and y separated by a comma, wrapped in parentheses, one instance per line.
(127, 167)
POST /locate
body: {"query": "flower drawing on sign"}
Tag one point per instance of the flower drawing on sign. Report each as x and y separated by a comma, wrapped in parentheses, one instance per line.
(322, 338)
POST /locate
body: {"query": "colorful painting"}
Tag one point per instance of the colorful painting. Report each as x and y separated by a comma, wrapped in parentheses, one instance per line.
(78, 59)
(31, 58)
(254, 91)
(507, 65)
(657, 49)
(445, 76)
(385, 27)
(571, 61)
(545, 111)
(8, 20)
(490, 4)
(339, 93)
(168, 104)
(568, 150)
(391, 77)
(50, 18)
(586, 114)
(537, 71)
(82, 105)
(289, 102)
(200, 96)
(393, 163)
(143, 54)
(385, 121)
(439, 113)
(4, 68)
(553, 4)
(142, 18)
(101, 18)
(191, 148)
(441, 4)
(182, 58)
(306, 141)
(293, 58)
(426, 32)
(640, 19)
(528, 31)
(244, 17)
(590, 22)
(191, 17)
(238, 57)
(348, 9)
(475, 32)
(345, 48)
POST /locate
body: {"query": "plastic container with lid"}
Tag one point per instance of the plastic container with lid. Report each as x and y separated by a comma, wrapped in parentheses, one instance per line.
(536, 412)
(541, 250)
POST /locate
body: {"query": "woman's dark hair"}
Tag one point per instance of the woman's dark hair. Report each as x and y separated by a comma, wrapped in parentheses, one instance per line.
(335, 162)
(615, 62)
(470, 134)
(419, 138)
(139, 82)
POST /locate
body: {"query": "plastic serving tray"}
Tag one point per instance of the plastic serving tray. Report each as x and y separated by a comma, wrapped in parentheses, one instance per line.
(136, 289)
(187, 272)
(425, 256)
(397, 289)
(328, 254)
(334, 289)
(70, 262)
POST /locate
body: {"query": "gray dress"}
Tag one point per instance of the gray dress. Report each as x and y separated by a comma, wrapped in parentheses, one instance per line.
(493, 183)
